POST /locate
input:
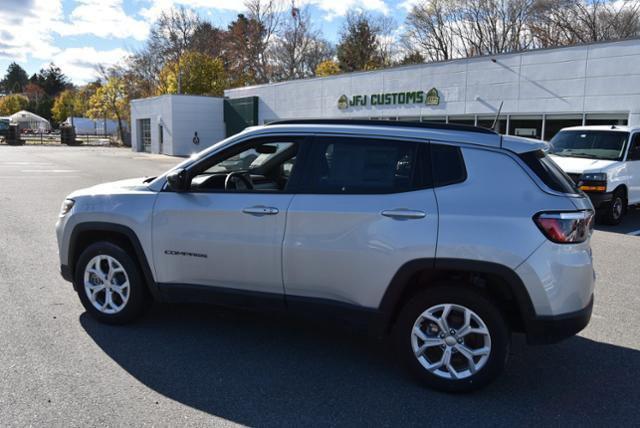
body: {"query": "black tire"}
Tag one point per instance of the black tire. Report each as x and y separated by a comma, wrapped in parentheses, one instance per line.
(138, 298)
(477, 302)
(614, 211)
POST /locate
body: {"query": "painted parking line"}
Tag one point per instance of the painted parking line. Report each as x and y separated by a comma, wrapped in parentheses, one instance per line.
(50, 170)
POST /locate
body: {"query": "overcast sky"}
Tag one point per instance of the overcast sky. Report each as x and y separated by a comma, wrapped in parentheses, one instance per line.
(78, 34)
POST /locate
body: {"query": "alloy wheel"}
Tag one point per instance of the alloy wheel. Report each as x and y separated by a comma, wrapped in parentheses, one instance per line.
(106, 284)
(451, 341)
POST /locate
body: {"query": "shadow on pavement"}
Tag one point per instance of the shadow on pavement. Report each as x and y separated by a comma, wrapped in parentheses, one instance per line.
(263, 370)
(630, 223)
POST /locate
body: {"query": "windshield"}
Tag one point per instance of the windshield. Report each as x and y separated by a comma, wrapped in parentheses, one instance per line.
(607, 145)
(4, 124)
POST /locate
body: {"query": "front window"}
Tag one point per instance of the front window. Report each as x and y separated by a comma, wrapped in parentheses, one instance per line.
(607, 145)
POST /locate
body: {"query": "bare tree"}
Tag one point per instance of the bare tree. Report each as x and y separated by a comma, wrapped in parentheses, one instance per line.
(267, 14)
(430, 30)
(298, 48)
(566, 22)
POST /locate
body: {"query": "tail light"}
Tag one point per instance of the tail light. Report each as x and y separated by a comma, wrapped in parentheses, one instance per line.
(565, 227)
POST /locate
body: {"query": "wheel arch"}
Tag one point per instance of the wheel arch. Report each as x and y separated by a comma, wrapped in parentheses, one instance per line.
(87, 233)
(500, 282)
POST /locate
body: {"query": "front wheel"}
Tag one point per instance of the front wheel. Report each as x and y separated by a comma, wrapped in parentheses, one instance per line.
(109, 284)
(452, 338)
(614, 212)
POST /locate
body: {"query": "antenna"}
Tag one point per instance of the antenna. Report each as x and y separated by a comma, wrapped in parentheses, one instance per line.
(495, 126)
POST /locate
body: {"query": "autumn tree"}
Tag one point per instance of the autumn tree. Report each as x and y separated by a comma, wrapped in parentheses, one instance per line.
(65, 105)
(328, 68)
(15, 80)
(111, 102)
(201, 75)
(171, 36)
(12, 104)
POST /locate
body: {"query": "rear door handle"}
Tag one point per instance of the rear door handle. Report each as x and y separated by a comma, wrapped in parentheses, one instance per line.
(260, 210)
(401, 213)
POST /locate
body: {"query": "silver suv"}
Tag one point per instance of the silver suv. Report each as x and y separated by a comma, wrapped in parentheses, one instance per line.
(447, 237)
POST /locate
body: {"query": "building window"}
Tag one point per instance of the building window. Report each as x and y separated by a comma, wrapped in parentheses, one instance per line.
(145, 134)
(607, 119)
(463, 120)
(409, 118)
(526, 126)
(434, 119)
(554, 123)
(487, 122)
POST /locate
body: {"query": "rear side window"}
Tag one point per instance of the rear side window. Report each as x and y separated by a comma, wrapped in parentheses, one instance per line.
(362, 166)
(448, 165)
(549, 172)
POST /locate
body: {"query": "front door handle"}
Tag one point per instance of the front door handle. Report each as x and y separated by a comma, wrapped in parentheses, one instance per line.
(260, 210)
(401, 213)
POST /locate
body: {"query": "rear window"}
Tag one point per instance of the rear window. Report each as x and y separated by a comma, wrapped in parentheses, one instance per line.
(549, 172)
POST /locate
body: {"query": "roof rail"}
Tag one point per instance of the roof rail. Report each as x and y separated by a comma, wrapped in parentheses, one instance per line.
(400, 124)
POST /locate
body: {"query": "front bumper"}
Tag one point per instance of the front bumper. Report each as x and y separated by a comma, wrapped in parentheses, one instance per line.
(66, 273)
(554, 328)
(600, 200)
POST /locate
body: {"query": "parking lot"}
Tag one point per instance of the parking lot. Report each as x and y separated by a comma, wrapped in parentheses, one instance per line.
(186, 365)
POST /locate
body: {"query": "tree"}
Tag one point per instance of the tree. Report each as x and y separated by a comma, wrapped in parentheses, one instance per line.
(412, 58)
(65, 105)
(15, 80)
(566, 22)
(171, 36)
(201, 75)
(265, 18)
(51, 80)
(244, 44)
(295, 48)
(358, 48)
(430, 30)
(13, 103)
(327, 68)
(110, 101)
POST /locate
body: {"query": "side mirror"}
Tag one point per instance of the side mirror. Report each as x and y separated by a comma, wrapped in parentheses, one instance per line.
(177, 180)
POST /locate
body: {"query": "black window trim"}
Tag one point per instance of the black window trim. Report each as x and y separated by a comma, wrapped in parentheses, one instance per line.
(465, 175)
(307, 188)
(293, 184)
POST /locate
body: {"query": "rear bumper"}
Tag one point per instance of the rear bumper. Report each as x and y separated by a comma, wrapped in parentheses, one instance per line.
(554, 328)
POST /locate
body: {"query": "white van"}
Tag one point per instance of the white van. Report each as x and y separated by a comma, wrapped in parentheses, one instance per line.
(604, 162)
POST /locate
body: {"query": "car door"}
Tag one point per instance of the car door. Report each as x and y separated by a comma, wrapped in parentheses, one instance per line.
(366, 208)
(222, 236)
(633, 169)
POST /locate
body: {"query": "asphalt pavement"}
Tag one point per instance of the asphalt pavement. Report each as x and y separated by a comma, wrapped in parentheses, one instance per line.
(199, 366)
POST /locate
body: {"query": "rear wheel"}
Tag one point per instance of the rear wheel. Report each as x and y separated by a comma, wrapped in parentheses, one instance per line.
(452, 338)
(109, 284)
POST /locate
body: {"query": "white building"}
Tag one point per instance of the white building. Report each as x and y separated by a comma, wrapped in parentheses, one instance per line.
(541, 91)
(176, 124)
(27, 120)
